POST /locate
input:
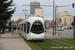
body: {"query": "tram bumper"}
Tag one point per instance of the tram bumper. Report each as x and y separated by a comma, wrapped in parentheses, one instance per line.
(36, 36)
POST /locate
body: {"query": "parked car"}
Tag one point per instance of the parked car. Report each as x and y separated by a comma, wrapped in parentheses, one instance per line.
(65, 27)
(61, 28)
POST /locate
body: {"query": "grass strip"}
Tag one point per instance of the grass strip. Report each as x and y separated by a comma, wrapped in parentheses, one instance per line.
(53, 44)
(68, 41)
(56, 40)
(44, 46)
(66, 47)
(47, 47)
(31, 45)
(61, 47)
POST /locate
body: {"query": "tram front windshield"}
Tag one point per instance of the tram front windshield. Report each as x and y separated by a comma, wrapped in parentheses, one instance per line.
(37, 27)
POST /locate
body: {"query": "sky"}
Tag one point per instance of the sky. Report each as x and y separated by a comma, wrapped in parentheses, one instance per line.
(48, 11)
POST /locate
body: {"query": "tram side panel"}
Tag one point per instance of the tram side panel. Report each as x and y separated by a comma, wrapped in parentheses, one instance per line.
(27, 32)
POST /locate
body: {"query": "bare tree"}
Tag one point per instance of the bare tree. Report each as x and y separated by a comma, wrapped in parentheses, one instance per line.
(19, 20)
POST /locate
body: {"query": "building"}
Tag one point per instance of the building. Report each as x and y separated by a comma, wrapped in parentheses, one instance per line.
(47, 24)
(66, 19)
(35, 10)
(39, 11)
(30, 15)
(51, 23)
(33, 6)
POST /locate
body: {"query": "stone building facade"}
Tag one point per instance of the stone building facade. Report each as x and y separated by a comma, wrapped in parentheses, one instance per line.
(66, 19)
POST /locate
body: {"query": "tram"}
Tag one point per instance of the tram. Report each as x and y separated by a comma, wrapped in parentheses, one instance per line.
(32, 28)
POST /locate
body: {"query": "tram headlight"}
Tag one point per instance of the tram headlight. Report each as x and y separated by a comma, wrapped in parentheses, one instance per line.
(31, 34)
(42, 34)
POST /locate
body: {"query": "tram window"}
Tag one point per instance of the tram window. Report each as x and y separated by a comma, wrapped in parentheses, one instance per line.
(18, 28)
(21, 27)
(24, 27)
(37, 27)
(28, 27)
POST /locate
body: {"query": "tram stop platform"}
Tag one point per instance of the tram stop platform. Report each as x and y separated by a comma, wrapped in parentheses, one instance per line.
(12, 42)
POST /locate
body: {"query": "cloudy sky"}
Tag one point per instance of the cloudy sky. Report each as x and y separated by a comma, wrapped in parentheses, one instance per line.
(48, 11)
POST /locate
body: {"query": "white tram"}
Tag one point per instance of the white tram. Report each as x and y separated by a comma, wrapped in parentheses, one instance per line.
(32, 28)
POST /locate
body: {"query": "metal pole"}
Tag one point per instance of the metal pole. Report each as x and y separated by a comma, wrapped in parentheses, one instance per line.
(25, 13)
(70, 22)
(74, 29)
(12, 29)
(55, 19)
(74, 32)
(53, 15)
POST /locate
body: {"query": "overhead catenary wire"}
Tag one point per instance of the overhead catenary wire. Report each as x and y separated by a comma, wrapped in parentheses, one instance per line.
(65, 6)
(27, 6)
(47, 5)
(31, 0)
(46, 2)
(38, 5)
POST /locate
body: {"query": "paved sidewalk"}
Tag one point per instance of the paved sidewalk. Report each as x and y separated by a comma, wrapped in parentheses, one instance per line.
(12, 42)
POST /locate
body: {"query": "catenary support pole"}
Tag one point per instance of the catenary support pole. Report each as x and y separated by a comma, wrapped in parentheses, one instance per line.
(53, 14)
(74, 29)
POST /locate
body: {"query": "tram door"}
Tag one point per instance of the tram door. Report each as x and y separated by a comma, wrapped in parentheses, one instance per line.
(26, 27)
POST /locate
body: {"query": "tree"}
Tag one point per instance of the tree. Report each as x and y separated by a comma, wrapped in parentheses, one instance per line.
(5, 11)
(19, 20)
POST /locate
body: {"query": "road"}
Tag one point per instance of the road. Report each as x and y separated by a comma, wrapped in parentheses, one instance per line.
(62, 34)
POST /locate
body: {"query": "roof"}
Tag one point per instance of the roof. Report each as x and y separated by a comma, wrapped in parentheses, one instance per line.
(33, 19)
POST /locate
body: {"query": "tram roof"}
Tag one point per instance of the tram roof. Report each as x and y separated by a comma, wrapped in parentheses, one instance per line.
(32, 19)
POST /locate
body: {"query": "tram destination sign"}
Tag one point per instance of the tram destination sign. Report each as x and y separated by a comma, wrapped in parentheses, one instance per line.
(37, 23)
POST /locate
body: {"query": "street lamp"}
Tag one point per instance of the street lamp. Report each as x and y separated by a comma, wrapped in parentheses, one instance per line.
(53, 14)
(25, 13)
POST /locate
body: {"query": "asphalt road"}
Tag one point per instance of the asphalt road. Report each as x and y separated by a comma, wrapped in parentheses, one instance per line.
(63, 34)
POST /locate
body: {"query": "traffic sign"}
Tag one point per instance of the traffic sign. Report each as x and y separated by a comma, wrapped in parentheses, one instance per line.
(60, 20)
(73, 5)
(12, 23)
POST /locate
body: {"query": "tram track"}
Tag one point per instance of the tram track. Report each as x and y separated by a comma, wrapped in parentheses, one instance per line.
(67, 41)
(59, 43)
(51, 45)
(37, 46)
